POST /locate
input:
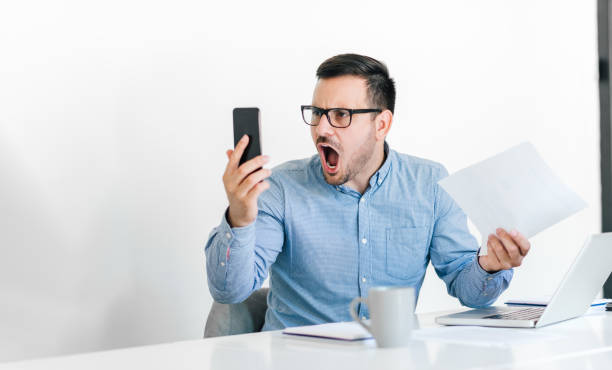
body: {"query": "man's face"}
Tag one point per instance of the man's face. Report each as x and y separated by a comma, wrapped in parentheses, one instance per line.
(345, 151)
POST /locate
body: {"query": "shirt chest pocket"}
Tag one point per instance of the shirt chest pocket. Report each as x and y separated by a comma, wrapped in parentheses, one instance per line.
(406, 250)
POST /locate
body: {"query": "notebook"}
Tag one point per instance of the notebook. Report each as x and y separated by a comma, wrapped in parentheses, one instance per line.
(349, 331)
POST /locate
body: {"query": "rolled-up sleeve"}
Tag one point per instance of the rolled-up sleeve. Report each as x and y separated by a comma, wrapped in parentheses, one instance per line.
(238, 258)
(454, 255)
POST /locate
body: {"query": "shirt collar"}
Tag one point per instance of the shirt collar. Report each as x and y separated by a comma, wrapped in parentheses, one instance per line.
(379, 176)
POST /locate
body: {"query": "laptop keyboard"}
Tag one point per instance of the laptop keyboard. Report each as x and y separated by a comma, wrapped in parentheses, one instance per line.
(524, 314)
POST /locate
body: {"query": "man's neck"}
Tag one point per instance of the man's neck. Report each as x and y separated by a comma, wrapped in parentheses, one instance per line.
(362, 180)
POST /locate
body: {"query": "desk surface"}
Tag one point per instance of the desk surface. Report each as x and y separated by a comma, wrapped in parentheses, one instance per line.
(582, 343)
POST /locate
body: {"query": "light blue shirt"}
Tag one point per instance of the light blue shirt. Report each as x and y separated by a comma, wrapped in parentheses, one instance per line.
(323, 245)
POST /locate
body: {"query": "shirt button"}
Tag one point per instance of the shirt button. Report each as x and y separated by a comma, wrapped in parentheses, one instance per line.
(489, 278)
(364, 240)
(228, 235)
(484, 294)
(363, 317)
(379, 181)
(362, 199)
(363, 279)
(222, 264)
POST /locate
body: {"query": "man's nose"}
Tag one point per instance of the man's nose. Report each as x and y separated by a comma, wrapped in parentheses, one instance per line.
(324, 128)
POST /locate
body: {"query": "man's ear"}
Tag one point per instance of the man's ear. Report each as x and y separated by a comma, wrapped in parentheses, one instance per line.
(383, 124)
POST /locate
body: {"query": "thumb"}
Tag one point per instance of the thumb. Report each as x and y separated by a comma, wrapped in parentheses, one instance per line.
(229, 153)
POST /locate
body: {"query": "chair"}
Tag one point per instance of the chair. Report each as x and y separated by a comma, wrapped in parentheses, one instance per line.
(238, 318)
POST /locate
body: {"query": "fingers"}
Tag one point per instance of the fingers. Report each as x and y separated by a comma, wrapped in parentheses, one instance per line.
(258, 189)
(244, 183)
(511, 248)
(234, 159)
(251, 165)
(228, 153)
(521, 241)
(493, 261)
(251, 181)
(233, 178)
(500, 252)
(506, 250)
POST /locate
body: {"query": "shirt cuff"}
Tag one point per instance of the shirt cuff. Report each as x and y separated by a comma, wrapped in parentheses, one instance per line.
(236, 236)
(490, 284)
(482, 273)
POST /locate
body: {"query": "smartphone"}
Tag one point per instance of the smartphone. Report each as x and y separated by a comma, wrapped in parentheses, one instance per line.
(246, 122)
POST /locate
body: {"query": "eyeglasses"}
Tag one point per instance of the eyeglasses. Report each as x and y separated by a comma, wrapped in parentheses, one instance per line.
(337, 117)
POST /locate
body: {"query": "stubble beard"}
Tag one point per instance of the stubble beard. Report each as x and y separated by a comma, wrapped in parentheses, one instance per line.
(354, 166)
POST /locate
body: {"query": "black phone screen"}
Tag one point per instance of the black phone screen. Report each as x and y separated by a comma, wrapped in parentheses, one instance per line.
(246, 122)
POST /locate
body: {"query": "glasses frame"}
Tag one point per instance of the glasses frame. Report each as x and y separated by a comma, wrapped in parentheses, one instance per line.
(326, 113)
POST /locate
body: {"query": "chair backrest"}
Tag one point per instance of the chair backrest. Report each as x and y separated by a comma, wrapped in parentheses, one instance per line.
(239, 318)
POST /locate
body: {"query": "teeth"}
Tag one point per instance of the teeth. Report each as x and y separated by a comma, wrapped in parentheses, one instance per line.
(330, 166)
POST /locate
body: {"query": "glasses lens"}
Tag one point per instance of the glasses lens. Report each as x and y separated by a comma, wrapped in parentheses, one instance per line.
(312, 116)
(340, 117)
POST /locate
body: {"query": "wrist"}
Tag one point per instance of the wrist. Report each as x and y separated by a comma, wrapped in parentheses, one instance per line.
(484, 265)
(234, 221)
(227, 217)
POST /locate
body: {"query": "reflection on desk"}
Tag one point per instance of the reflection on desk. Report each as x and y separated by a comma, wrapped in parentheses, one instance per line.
(585, 342)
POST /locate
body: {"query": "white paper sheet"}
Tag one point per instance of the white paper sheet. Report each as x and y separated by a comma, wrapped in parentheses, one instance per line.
(513, 190)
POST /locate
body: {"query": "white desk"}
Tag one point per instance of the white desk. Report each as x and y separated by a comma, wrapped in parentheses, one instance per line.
(583, 343)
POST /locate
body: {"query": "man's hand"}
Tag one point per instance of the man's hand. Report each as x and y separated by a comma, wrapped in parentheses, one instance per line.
(243, 184)
(505, 250)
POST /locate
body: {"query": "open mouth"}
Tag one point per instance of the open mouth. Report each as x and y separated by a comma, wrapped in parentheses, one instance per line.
(329, 158)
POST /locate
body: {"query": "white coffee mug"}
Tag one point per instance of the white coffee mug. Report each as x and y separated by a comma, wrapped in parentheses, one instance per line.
(391, 314)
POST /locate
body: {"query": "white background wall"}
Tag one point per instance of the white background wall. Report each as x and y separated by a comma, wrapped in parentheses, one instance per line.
(115, 115)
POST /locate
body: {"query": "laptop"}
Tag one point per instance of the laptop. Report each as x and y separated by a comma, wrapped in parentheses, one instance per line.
(572, 298)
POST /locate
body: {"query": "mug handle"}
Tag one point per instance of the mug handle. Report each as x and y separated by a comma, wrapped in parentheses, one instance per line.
(354, 313)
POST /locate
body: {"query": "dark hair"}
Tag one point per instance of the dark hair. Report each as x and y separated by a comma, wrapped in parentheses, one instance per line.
(381, 87)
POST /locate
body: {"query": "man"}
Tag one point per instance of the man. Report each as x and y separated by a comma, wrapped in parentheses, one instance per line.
(354, 216)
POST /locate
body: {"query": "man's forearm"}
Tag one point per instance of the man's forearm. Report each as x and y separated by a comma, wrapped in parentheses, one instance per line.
(230, 261)
(474, 287)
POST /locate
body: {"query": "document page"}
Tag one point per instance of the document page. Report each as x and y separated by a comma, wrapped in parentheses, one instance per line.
(514, 190)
